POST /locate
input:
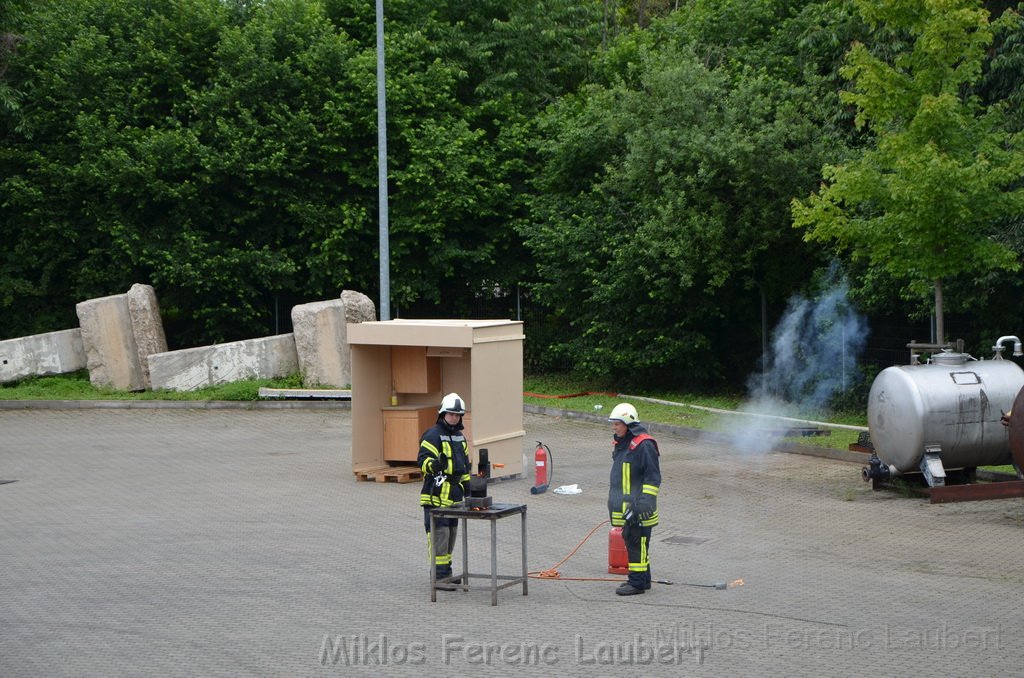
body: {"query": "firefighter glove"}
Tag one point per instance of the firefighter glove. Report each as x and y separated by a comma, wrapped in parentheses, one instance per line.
(644, 506)
(628, 513)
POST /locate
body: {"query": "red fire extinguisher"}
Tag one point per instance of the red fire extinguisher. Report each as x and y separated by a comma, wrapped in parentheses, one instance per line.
(618, 557)
(542, 468)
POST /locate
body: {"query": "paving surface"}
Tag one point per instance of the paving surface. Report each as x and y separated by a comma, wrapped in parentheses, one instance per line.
(221, 542)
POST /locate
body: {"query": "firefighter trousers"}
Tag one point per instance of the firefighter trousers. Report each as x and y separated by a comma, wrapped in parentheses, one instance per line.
(443, 540)
(638, 547)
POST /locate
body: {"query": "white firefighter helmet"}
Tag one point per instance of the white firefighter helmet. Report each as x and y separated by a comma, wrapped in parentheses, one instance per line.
(625, 413)
(452, 403)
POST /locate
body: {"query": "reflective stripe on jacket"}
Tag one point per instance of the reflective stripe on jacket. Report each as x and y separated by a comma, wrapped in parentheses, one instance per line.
(447, 486)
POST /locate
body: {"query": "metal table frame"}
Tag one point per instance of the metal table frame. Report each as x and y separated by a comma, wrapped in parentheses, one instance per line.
(492, 513)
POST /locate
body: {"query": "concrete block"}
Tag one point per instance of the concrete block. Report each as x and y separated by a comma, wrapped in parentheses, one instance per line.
(118, 333)
(41, 354)
(358, 307)
(147, 327)
(321, 337)
(111, 353)
(193, 368)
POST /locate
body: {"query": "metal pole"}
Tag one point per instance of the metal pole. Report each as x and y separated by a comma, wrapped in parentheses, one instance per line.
(382, 173)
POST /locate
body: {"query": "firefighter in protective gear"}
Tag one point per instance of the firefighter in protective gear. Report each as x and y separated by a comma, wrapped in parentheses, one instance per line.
(444, 459)
(633, 493)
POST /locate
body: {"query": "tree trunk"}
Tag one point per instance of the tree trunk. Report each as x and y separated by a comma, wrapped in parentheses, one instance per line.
(940, 330)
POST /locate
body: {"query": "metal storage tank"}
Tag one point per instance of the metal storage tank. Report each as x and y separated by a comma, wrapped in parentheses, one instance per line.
(955, 402)
(1016, 426)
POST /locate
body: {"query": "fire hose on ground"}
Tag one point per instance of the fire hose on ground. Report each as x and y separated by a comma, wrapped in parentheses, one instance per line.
(552, 573)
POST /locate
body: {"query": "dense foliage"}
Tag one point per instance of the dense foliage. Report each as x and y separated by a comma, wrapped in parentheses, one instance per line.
(225, 152)
(622, 169)
(661, 205)
(928, 200)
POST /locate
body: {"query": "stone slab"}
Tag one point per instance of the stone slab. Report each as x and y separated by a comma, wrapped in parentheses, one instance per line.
(306, 393)
(41, 354)
(321, 337)
(111, 353)
(147, 328)
(118, 333)
(193, 368)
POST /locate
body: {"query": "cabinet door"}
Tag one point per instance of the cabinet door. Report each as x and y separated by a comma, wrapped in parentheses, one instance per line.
(402, 431)
(412, 371)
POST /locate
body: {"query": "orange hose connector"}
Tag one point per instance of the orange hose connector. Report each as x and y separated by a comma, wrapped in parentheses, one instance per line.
(553, 573)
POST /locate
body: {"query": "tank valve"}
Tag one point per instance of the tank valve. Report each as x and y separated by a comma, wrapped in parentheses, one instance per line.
(876, 472)
(999, 348)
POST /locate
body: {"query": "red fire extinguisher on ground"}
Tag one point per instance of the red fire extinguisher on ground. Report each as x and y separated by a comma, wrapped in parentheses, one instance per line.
(542, 468)
(618, 558)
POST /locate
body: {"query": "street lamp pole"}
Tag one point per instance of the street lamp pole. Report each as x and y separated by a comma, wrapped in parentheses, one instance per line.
(382, 173)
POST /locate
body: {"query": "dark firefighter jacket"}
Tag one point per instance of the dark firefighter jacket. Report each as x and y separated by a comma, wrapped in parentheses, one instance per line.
(444, 460)
(635, 477)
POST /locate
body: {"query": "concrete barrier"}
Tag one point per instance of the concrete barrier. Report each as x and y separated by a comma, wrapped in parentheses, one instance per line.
(147, 327)
(118, 332)
(194, 368)
(41, 354)
(321, 337)
(121, 341)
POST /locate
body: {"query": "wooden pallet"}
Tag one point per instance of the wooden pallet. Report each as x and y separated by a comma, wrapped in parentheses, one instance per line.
(390, 474)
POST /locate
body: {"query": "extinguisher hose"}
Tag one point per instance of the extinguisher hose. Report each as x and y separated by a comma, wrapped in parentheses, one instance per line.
(551, 466)
(552, 573)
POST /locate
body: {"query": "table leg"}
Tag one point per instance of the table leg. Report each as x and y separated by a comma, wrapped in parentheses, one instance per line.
(494, 561)
(465, 553)
(433, 568)
(525, 576)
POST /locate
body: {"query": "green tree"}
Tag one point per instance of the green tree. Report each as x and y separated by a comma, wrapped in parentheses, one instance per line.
(660, 216)
(503, 61)
(925, 202)
(8, 46)
(226, 152)
(100, 151)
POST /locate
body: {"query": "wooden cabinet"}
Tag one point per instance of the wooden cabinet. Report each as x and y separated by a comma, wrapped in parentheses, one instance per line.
(413, 371)
(403, 427)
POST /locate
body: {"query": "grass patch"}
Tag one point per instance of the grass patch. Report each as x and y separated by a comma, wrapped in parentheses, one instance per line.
(1000, 469)
(76, 386)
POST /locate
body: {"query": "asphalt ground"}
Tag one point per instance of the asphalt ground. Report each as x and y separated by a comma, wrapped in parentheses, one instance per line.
(236, 542)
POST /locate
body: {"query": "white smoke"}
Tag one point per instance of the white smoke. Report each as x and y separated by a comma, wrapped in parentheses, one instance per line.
(813, 355)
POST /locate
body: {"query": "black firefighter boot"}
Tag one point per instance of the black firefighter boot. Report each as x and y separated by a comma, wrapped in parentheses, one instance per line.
(443, 573)
(629, 589)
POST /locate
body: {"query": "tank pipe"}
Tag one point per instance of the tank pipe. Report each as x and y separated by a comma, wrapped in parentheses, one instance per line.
(998, 348)
(748, 414)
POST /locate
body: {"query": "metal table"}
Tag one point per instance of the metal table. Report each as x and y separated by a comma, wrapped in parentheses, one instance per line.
(493, 513)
